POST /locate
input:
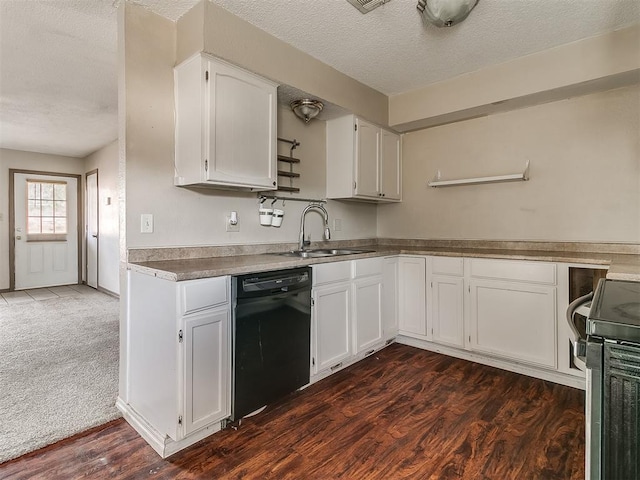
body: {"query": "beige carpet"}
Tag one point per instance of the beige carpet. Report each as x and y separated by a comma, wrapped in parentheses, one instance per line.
(58, 369)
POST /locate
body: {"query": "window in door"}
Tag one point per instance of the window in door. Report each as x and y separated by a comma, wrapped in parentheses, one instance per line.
(46, 211)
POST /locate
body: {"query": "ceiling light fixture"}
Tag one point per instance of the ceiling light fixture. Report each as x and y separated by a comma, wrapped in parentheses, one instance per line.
(445, 13)
(306, 109)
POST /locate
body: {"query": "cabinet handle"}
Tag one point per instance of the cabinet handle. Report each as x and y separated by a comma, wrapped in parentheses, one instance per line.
(337, 366)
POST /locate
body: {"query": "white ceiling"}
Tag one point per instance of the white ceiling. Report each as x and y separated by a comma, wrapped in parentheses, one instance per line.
(58, 58)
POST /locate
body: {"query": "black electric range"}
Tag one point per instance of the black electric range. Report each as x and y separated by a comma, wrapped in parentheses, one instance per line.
(615, 311)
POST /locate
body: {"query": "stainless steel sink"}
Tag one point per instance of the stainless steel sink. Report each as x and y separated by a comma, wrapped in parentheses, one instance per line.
(322, 252)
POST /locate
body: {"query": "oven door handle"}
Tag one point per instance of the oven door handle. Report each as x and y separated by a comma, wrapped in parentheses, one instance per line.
(579, 305)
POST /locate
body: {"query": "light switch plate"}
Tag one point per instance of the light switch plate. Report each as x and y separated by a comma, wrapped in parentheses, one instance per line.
(337, 224)
(146, 223)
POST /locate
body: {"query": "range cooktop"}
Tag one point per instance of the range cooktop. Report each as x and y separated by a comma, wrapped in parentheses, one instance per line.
(615, 311)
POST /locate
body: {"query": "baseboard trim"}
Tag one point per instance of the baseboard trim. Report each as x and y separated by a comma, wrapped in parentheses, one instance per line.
(350, 361)
(556, 377)
(163, 445)
(108, 292)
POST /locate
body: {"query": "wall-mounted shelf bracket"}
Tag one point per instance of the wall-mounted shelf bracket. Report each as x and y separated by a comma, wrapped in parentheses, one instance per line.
(514, 177)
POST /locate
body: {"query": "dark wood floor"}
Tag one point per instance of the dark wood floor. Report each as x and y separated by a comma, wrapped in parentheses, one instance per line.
(402, 413)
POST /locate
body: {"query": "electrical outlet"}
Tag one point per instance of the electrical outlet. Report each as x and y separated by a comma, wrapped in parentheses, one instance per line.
(230, 218)
(337, 224)
(146, 223)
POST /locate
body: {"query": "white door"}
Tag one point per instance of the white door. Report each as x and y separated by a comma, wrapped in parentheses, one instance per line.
(390, 165)
(331, 306)
(390, 298)
(412, 296)
(92, 229)
(514, 320)
(367, 155)
(367, 318)
(447, 310)
(206, 369)
(241, 128)
(46, 230)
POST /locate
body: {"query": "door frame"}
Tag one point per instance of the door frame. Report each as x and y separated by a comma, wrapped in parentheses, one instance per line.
(12, 219)
(85, 226)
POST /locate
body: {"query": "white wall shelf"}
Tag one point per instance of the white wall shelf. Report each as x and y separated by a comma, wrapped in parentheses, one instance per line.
(514, 177)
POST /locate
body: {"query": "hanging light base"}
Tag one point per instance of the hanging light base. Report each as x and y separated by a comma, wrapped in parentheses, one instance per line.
(306, 108)
(445, 13)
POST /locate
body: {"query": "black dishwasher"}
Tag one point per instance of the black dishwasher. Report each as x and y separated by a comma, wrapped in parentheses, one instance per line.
(271, 337)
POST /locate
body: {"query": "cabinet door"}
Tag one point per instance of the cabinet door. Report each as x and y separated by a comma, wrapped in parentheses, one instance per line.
(240, 128)
(367, 312)
(514, 320)
(207, 368)
(390, 165)
(332, 329)
(367, 155)
(412, 301)
(447, 318)
(390, 298)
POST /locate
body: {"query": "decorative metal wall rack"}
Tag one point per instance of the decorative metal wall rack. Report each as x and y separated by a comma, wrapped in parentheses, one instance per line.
(291, 160)
(262, 198)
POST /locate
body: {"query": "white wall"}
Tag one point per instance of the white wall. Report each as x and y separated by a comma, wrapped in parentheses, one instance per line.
(189, 217)
(585, 175)
(599, 63)
(197, 216)
(105, 161)
(25, 161)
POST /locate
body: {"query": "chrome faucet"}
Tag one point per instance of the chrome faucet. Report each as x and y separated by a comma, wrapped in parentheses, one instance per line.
(327, 233)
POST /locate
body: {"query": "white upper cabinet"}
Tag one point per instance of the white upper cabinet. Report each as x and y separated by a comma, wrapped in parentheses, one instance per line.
(363, 161)
(225, 126)
(390, 166)
(367, 154)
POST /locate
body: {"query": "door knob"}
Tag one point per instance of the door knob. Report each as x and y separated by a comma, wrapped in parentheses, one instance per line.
(18, 237)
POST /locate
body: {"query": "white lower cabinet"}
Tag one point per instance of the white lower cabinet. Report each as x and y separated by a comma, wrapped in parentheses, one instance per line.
(178, 370)
(446, 299)
(367, 288)
(502, 312)
(207, 368)
(331, 325)
(513, 310)
(447, 318)
(348, 306)
(515, 321)
(390, 273)
(412, 296)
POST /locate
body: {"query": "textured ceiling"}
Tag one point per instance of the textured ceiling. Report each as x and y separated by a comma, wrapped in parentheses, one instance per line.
(58, 58)
(391, 50)
(58, 75)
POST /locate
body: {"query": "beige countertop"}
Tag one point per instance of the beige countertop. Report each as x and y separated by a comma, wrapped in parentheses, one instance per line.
(621, 266)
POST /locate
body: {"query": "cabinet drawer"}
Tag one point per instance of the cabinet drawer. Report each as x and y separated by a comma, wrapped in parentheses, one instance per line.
(447, 266)
(367, 267)
(200, 294)
(331, 272)
(531, 272)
